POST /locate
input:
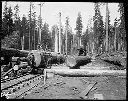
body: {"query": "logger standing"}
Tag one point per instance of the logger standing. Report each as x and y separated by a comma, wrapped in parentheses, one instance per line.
(16, 67)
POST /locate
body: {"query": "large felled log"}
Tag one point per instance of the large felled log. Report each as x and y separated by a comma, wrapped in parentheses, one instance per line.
(37, 57)
(84, 72)
(56, 58)
(74, 62)
(43, 58)
(116, 58)
(10, 52)
(118, 61)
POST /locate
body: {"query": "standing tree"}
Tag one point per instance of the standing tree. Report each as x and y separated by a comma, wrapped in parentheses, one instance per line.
(54, 32)
(9, 37)
(69, 40)
(116, 33)
(7, 21)
(33, 30)
(39, 26)
(17, 24)
(88, 37)
(68, 37)
(33, 27)
(46, 40)
(11, 41)
(98, 29)
(24, 32)
(78, 28)
(17, 19)
(110, 31)
(122, 28)
(62, 40)
(36, 37)
(85, 38)
(111, 38)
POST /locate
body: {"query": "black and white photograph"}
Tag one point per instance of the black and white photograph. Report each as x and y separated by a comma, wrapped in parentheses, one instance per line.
(63, 50)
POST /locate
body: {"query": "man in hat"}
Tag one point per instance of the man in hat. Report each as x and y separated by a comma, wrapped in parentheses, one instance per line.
(16, 67)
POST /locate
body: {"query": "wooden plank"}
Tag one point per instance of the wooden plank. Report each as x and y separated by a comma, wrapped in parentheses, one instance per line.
(87, 89)
(7, 72)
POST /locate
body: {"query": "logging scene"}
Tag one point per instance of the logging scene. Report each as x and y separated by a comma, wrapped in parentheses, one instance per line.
(63, 50)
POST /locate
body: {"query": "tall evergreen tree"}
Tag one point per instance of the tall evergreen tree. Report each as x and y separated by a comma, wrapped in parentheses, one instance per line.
(11, 41)
(17, 23)
(46, 40)
(98, 28)
(110, 33)
(25, 31)
(17, 19)
(111, 38)
(122, 27)
(33, 26)
(68, 37)
(7, 21)
(85, 38)
(10, 38)
(78, 28)
(116, 21)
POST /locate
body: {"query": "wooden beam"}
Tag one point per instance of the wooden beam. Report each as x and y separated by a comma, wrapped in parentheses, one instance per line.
(86, 91)
(7, 72)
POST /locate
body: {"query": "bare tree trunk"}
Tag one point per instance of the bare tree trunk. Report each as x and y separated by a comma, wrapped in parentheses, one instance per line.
(93, 47)
(106, 27)
(30, 29)
(66, 42)
(119, 46)
(34, 38)
(60, 34)
(22, 42)
(79, 42)
(56, 40)
(115, 39)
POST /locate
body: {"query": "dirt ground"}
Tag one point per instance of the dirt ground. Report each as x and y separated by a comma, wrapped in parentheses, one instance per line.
(111, 88)
(59, 87)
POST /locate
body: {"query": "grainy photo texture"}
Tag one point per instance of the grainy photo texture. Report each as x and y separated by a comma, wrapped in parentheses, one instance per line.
(63, 50)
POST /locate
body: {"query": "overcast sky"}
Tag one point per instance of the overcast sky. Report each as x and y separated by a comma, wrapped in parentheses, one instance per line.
(50, 11)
